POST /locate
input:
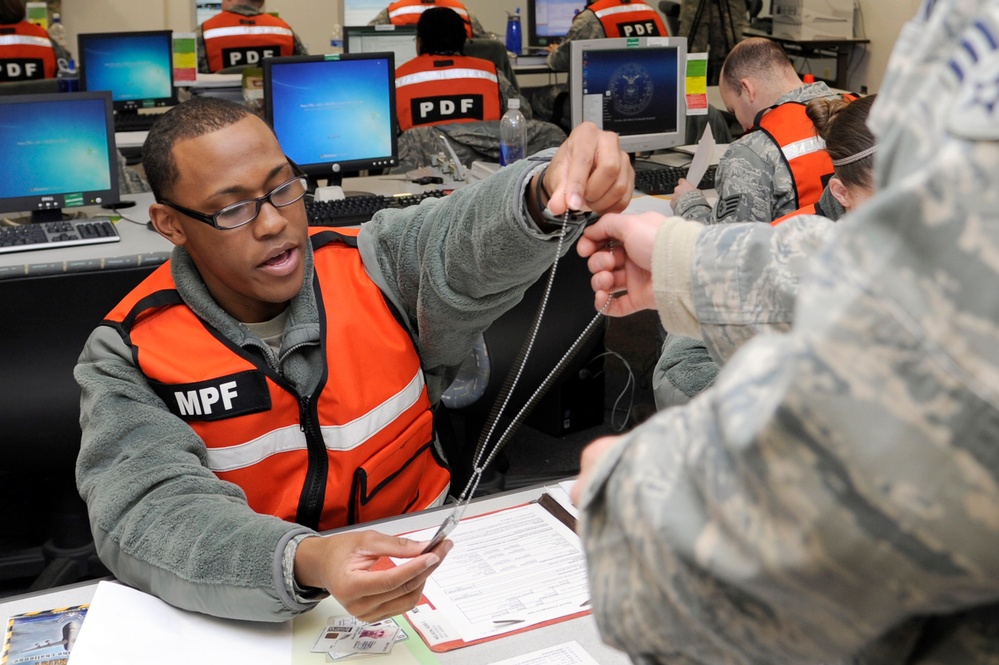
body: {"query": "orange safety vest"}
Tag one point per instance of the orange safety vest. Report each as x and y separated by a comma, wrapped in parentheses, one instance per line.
(802, 149)
(407, 12)
(25, 53)
(624, 18)
(361, 447)
(434, 89)
(233, 39)
(811, 209)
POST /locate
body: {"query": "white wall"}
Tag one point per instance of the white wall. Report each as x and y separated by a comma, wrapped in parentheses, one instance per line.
(314, 19)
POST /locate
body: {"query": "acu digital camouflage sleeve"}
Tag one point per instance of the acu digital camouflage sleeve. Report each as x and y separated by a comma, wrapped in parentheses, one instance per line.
(834, 498)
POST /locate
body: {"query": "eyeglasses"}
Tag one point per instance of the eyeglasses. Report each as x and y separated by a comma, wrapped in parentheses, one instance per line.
(242, 213)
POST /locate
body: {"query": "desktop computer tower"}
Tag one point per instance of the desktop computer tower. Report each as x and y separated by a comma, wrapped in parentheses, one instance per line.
(812, 19)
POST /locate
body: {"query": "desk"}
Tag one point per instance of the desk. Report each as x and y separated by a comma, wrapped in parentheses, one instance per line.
(582, 630)
(818, 48)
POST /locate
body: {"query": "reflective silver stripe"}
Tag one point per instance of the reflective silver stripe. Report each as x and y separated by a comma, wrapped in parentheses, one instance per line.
(24, 40)
(803, 147)
(335, 437)
(622, 9)
(419, 9)
(444, 75)
(214, 33)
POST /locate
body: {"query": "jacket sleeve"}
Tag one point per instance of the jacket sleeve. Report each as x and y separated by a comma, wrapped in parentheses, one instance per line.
(455, 265)
(161, 520)
(586, 25)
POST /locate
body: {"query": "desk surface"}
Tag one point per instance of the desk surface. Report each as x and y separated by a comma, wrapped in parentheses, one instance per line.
(583, 630)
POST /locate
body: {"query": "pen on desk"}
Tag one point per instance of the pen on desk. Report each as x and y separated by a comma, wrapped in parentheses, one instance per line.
(507, 621)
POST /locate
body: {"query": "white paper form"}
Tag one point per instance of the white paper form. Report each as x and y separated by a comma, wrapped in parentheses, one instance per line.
(508, 570)
(125, 626)
(702, 157)
(569, 653)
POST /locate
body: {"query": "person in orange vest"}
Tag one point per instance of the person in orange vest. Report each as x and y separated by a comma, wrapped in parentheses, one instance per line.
(441, 85)
(408, 12)
(272, 380)
(26, 50)
(608, 18)
(779, 164)
(850, 144)
(242, 34)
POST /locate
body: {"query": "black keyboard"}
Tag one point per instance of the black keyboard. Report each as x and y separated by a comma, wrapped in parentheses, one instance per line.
(135, 122)
(49, 235)
(663, 179)
(354, 210)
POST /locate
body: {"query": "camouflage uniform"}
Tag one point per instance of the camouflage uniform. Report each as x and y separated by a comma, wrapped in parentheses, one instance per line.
(130, 179)
(834, 498)
(586, 25)
(686, 367)
(753, 181)
(245, 10)
(470, 141)
(477, 29)
(713, 31)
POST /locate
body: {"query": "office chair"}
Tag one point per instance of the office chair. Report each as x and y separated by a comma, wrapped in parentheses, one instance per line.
(471, 141)
(46, 538)
(576, 398)
(671, 12)
(30, 87)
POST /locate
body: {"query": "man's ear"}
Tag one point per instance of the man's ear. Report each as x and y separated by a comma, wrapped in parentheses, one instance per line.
(840, 192)
(165, 221)
(748, 87)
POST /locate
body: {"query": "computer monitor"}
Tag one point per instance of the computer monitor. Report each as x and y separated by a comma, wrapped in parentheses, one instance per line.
(333, 113)
(58, 152)
(632, 86)
(137, 67)
(401, 40)
(548, 21)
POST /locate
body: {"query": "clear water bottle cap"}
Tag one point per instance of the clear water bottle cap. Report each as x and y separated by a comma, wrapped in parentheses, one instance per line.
(513, 103)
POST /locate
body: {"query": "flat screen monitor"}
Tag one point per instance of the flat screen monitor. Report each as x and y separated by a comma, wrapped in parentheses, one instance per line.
(333, 113)
(633, 86)
(58, 152)
(401, 40)
(137, 67)
(548, 21)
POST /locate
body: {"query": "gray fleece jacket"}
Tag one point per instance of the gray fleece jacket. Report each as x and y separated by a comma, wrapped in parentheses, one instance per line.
(167, 525)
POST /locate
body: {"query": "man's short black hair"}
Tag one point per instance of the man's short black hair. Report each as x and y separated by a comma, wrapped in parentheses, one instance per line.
(441, 31)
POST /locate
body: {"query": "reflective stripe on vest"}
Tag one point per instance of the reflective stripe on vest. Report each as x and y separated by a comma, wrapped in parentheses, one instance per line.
(360, 448)
(807, 210)
(407, 12)
(233, 39)
(802, 150)
(464, 89)
(634, 19)
(26, 54)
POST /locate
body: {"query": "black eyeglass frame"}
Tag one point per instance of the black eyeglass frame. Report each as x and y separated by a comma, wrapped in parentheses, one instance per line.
(212, 219)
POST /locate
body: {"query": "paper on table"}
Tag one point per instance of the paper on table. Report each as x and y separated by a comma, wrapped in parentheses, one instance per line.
(702, 157)
(508, 570)
(127, 626)
(563, 494)
(569, 653)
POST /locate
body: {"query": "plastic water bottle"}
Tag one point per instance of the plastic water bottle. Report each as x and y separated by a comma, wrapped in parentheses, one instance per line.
(513, 41)
(336, 39)
(57, 31)
(513, 134)
(69, 78)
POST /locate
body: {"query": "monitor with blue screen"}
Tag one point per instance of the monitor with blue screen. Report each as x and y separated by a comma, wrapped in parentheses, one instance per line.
(335, 113)
(137, 67)
(548, 21)
(632, 86)
(58, 152)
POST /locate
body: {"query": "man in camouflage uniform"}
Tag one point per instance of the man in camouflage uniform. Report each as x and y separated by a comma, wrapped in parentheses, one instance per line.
(719, 28)
(477, 30)
(245, 8)
(834, 497)
(753, 181)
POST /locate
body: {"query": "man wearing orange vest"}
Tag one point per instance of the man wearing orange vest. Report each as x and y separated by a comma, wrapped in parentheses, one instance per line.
(26, 51)
(780, 164)
(242, 34)
(608, 18)
(441, 85)
(272, 380)
(408, 12)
